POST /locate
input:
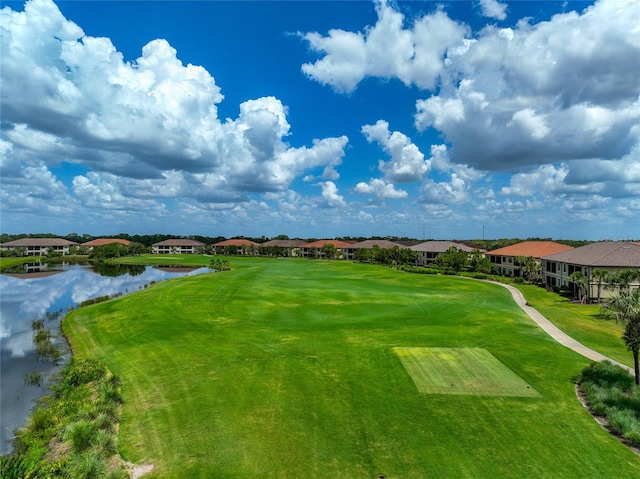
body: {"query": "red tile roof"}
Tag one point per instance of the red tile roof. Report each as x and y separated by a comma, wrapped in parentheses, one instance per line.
(536, 249)
(383, 244)
(320, 243)
(285, 243)
(179, 242)
(440, 247)
(104, 241)
(236, 242)
(25, 242)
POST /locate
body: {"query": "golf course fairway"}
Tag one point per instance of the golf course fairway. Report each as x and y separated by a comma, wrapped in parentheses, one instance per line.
(290, 368)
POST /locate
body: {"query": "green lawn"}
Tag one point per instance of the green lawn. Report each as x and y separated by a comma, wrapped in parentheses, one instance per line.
(167, 259)
(583, 322)
(11, 261)
(286, 368)
(467, 371)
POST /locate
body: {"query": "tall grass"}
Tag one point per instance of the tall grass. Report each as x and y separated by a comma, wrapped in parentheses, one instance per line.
(611, 393)
(73, 431)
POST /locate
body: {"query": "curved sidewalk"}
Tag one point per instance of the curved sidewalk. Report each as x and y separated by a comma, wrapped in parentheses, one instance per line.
(556, 333)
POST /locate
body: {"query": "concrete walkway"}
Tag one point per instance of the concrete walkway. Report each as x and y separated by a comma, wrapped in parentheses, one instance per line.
(556, 333)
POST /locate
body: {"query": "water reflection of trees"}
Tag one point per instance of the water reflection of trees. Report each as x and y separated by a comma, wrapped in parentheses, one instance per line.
(108, 269)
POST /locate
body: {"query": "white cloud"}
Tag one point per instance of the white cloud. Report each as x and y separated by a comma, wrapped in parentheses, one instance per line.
(386, 50)
(330, 197)
(70, 97)
(558, 90)
(407, 162)
(493, 9)
(36, 189)
(95, 191)
(379, 189)
(364, 216)
(544, 180)
(453, 193)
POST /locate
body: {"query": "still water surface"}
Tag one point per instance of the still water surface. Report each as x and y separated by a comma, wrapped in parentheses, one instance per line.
(39, 291)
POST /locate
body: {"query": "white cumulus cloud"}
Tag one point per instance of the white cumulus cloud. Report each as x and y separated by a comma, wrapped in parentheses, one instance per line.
(70, 97)
(414, 55)
(379, 188)
(493, 9)
(407, 162)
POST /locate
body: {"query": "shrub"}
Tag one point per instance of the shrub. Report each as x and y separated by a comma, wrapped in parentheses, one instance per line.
(72, 432)
(611, 392)
(607, 374)
(106, 442)
(622, 420)
(81, 434)
(83, 372)
(40, 421)
(88, 466)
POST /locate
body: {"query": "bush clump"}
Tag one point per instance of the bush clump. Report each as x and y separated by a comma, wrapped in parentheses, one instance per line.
(64, 437)
(610, 392)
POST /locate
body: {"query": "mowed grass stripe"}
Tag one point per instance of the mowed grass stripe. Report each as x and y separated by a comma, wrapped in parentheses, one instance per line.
(285, 369)
(466, 371)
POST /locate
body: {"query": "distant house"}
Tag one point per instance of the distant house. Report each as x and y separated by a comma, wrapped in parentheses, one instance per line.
(287, 247)
(350, 250)
(428, 251)
(236, 246)
(104, 241)
(39, 246)
(608, 256)
(177, 246)
(504, 259)
(314, 249)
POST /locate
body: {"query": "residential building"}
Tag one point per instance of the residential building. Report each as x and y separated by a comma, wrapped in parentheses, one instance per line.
(608, 256)
(39, 246)
(285, 247)
(236, 246)
(428, 251)
(350, 250)
(104, 241)
(177, 246)
(314, 249)
(505, 259)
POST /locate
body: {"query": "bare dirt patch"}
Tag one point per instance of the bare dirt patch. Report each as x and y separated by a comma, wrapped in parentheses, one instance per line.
(137, 471)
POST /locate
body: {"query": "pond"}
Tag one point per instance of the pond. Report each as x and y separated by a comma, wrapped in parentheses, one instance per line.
(34, 298)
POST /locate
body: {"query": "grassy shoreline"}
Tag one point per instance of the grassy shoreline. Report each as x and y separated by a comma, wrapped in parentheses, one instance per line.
(286, 368)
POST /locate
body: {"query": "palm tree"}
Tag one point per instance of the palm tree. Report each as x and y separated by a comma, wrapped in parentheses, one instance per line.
(626, 307)
(580, 281)
(600, 276)
(531, 268)
(624, 278)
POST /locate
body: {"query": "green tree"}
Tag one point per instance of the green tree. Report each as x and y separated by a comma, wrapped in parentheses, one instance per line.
(379, 255)
(362, 255)
(109, 251)
(453, 259)
(136, 248)
(479, 263)
(580, 282)
(330, 251)
(600, 277)
(231, 250)
(532, 268)
(220, 264)
(622, 279)
(625, 307)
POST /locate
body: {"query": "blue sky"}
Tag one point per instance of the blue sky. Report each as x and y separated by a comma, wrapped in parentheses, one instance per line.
(322, 119)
